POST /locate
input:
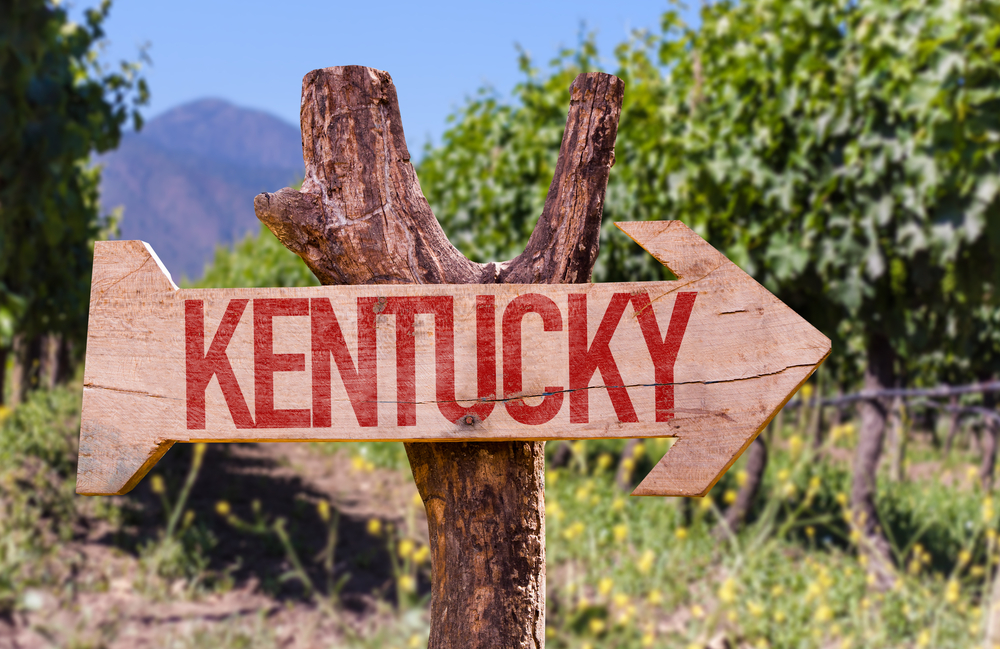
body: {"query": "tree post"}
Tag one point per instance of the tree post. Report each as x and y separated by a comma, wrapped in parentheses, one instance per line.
(361, 218)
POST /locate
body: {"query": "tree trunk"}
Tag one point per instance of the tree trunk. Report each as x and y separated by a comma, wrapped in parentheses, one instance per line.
(989, 444)
(879, 375)
(952, 425)
(362, 219)
(756, 465)
(563, 454)
(27, 366)
(3, 376)
(626, 465)
(816, 416)
(897, 423)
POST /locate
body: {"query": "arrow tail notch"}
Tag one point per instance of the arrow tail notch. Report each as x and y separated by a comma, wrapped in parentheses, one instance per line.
(113, 460)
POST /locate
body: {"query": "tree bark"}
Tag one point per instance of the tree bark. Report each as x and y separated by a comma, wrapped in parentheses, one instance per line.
(756, 465)
(361, 218)
(879, 375)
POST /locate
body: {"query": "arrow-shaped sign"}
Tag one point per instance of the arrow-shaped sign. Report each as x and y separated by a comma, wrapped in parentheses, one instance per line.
(707, 359)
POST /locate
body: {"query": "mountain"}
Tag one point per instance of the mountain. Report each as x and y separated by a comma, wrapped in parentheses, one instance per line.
(187, 180)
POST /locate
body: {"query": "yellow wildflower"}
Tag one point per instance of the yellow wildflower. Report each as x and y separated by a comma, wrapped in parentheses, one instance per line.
(783, 475)
(655, 597)
(417, 500)
(842, 499)
(597, 626)
(620, 532)
(727, 591)
(795, 444)
(374, 526)
(779, 617)
(604, 586)
(639, 450)
(323, 509)
(777, 590)
(406, 548)
(618, 504)
(823, 614)
(157, 485)
(806, 391)
(729, 497)
(620, 600)
(551, 477)
(705, 503)
(951, 591)
(604, 461)
(988, 510)
(222, 508)
(681, 533)
(554, 510)
(924, 638)
(697, 612)
(415, 641)
(573, 531)
(741, 478)
(188, 519)
(645, 563)
(407, 584)
(755, 609)
(648, 639)
(422, 554)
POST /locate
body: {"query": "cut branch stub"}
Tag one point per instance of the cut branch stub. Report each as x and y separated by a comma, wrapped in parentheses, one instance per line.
(563, 247)
(361, 218)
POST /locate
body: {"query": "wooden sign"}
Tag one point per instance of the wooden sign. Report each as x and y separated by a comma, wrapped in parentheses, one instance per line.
(708, 359)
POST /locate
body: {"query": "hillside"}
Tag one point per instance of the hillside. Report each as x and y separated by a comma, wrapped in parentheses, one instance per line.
(188, 179)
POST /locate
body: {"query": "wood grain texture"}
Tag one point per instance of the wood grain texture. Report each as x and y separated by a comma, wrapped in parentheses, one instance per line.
(361, 218)
(431, 377)
(585, 361)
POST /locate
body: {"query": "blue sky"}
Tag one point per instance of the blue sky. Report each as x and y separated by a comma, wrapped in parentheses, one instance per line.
(254, 54)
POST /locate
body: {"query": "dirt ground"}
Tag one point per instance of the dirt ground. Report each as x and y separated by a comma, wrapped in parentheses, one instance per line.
(239, 599)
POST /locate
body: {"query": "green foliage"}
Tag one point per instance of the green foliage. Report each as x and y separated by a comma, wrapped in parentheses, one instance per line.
(57, 106)
(488, 180)
(256, 261)
(660, 572)
(843, 153)
(37, 508)
(43, 427)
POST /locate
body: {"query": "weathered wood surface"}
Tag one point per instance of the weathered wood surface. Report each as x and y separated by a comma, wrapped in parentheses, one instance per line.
(360, 167)
(362, 219)
(384, 362)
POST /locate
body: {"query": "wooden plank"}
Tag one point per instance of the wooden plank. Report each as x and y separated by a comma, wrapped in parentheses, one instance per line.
(708, 359)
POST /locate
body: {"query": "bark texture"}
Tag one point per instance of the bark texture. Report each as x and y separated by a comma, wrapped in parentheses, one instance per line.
(361, 218)
(879, 375)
